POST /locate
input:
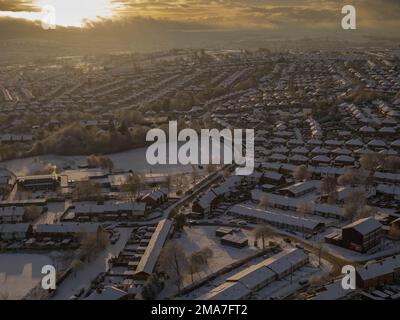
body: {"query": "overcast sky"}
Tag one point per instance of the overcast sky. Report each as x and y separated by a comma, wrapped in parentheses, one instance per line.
(233, 14)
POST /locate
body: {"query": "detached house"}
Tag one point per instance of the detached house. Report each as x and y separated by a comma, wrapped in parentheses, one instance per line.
(155, 198)
(362, 235)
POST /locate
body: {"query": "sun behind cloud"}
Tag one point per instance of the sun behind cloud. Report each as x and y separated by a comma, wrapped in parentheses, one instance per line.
(69, 12)
(218, 14)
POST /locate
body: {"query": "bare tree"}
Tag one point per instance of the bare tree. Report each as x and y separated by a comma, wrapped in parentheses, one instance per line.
(100, 161)
(174, 262)
(320, 247)
(352, 177)
(196, 263)
(355, 201)
(207, 254)
(329, 188)
(180, 181)
(211, 168)
(4, 295)
(265, 202)
(195, 174)
(168, 182)
(87, 190)
(394, 231)
(263, 232)
(76, 264)
(304, 208)
(152, 287)
(31, 213)
(301, 173)
(92, 243)
(367, 211)
(133, 186)
(179, 221)
(371, 161)
(392, 163)
(349, 212)
(198, 260)
(318, 280)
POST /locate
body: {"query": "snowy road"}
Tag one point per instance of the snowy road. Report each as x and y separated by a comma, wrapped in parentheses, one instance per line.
(19, 273)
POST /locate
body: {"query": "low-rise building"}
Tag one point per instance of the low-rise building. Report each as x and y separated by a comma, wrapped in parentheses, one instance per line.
(11, 214)
(235, 240)
(19, 231)
(381, 272)
(362, 235)
(39, 182)
(150, 256)
(241, 285)
(155, 198)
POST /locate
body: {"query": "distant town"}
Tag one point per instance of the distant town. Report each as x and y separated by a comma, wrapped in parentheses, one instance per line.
(77, 192)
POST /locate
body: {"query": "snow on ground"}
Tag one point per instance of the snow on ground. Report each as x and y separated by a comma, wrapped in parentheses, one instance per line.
(286, 286)
(219, 280)
(327, 221)
(196, 238)
(129, 160)
(134, 159)
(84, 276)
(19, 273)
(389, 248)
(28, 165)
(281, 288)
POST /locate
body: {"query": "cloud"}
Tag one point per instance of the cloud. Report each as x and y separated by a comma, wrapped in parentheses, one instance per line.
(265, 13)
(150, 16)
(17, 5)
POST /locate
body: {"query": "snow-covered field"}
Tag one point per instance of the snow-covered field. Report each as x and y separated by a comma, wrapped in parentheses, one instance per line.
(129, 160)
(19, 273)
(196, 238)
(134, 159)
(199, 237)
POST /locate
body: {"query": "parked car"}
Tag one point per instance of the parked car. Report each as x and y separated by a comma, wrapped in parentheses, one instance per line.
(115, 237)
(303, 282)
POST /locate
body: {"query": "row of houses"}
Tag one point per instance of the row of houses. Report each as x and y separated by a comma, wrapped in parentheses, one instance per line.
(378, 273)
(11, 214)
(67, 180)
(292, 204)
(109, 210)
(372, 280)
(277, 219)
(243, 284)
(210, 199)
(150, 256)
(53, 232)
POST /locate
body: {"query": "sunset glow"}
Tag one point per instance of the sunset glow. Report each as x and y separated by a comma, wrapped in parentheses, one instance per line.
(70, 13)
